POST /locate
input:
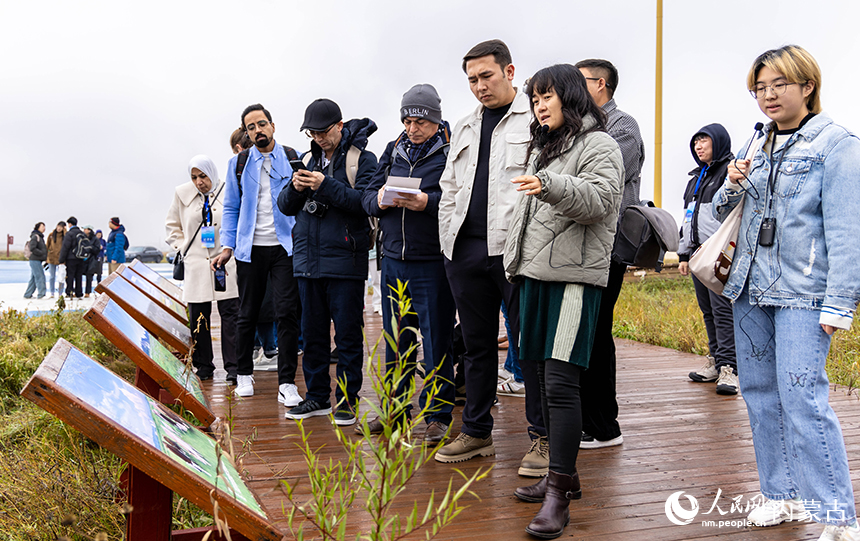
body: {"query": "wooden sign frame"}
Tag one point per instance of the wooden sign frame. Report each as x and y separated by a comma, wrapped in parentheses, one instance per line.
(169, 304)
(160, 281)
(151, 316)
(149, 355)
(152, 438)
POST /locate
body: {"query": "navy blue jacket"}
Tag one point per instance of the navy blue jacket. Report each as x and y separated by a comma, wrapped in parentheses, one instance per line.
(336, 245)
(407, 234)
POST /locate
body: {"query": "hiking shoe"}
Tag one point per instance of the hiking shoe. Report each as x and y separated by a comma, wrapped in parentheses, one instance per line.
(307, 408)
(288, 395)
(727, 383)
(344, 416)
(465, 447)
(511, 387)
(244, 386)
(536, 461)
(374, 426)
(773, 512)
(706, 373)
(841, 533)
(589, 442)
(435, 432)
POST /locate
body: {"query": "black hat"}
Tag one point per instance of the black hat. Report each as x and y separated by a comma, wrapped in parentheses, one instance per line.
(321, 114)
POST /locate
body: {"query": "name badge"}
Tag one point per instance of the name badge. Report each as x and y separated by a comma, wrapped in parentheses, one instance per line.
(207, 236)
(688, 215)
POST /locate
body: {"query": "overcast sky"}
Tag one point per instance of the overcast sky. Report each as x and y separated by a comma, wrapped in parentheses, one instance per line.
(103, 103)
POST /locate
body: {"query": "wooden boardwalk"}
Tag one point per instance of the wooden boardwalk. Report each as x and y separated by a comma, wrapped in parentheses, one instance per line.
(678, 436)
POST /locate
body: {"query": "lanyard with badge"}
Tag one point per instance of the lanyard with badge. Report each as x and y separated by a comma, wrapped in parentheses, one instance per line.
(207, 230)
(691, 206)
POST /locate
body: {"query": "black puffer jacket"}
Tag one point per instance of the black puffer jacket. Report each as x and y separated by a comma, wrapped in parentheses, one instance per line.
(335, 245)
(38, 249)
(703, 223)
(409, 235)
(70, 242)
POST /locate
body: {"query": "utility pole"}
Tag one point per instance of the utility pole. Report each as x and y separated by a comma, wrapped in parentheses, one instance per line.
(658, 111)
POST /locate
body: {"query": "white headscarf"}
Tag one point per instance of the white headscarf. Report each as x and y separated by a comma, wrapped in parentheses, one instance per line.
(202, 162)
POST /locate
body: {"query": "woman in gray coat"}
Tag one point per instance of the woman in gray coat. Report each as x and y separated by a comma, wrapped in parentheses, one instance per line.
(559, 244)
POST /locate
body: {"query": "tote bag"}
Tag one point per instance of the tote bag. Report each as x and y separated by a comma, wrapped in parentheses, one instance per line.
(711, 263)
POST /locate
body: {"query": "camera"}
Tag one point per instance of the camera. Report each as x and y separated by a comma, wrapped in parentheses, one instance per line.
(315, 208)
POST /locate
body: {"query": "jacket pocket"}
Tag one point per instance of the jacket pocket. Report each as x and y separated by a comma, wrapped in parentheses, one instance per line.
(516, 145)
(792, 175)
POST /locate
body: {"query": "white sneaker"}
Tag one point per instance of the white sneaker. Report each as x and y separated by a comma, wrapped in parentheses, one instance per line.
(773, 512)
(504, 375)
(288, 395)
(244, 386)
(511, 387)
(841, 533)
(266, 364)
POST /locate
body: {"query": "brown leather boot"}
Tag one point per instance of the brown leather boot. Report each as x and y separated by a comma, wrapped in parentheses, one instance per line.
(532, 493)
(553, 516)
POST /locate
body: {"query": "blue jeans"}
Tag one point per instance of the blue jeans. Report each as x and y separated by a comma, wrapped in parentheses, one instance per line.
(512, 361)
(433, 305)
(56, 287)
(798, 442)
(37, 280)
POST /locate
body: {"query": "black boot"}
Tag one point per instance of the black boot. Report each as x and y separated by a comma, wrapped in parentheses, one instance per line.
(553, 516)
(532, 493)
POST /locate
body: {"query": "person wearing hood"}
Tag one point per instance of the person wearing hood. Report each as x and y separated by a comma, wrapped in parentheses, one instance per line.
(102, 250)
(68, 257)
(412, 253)
(331, 242)
(192, 229)
(712, 149)
(92, 260)
(116, 245)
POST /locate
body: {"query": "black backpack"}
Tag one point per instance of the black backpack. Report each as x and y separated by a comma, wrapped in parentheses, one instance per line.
(82, 246)
(644, 236)
(242, 159)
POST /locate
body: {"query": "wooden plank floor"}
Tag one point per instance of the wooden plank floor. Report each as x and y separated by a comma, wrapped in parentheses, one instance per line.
(678, 436)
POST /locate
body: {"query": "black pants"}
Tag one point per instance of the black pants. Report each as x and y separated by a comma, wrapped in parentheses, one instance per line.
(478, 284)
(268, 262)
(74, 276)
(559, 395)
(201, 332)
(719, 322)
(325, 300)
(599, 406)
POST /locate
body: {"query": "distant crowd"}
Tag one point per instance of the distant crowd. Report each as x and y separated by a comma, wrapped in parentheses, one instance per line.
(69, 256)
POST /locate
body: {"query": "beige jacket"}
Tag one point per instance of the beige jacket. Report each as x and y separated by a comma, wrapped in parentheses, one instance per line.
(507, 160)
(565, 233)
(183, 218)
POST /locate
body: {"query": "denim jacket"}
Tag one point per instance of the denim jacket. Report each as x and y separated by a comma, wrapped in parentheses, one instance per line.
(813, 261)
(240, 211)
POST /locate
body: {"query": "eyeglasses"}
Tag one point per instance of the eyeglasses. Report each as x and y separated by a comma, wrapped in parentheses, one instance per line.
(592, 78)
(252, 127)
(778, 89)
(311, 133)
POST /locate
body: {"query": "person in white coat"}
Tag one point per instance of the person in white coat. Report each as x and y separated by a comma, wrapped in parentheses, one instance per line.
(193, 224)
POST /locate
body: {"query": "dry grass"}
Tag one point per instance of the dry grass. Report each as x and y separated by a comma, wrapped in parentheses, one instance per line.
(663, 311)
(54, 481)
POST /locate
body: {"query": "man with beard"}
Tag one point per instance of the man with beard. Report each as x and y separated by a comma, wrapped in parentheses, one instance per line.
(261, 240)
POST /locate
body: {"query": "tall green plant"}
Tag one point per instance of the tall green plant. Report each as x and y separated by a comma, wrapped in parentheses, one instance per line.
(378, 468)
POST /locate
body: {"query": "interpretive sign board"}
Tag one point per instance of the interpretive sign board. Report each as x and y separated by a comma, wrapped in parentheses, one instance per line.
(150, 356)
(159, 297)
(154, 318)
(147, 435)
(163, 283)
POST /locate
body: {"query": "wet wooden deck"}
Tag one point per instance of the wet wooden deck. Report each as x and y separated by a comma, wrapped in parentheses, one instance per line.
(678, 436)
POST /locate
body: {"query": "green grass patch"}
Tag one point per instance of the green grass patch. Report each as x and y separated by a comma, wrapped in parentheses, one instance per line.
(53, 480)
(663, 311)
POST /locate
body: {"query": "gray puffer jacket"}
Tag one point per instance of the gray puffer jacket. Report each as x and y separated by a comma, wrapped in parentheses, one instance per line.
(565, 233)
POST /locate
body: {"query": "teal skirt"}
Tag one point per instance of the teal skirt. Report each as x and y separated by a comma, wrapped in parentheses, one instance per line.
(558, 321)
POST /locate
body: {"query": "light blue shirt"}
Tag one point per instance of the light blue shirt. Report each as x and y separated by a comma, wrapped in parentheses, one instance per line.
(240, 211)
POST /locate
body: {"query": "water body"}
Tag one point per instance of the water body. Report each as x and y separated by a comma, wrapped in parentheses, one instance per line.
(18, 272)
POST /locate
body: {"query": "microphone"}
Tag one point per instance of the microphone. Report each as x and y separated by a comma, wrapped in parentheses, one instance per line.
(750, 151)
(544, 129)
